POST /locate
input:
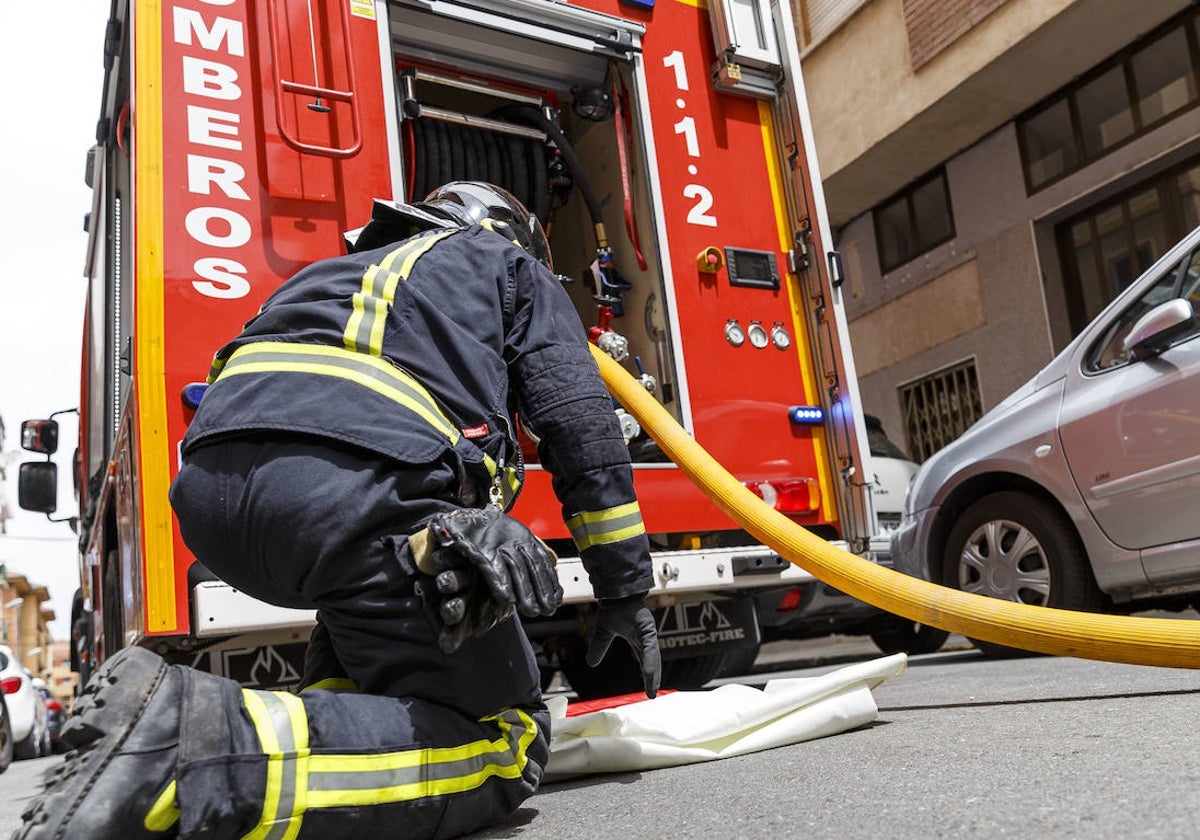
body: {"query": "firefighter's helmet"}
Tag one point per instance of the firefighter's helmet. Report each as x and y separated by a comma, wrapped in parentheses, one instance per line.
(459, 204)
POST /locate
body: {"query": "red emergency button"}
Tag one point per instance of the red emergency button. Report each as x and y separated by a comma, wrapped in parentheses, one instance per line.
(710, 260)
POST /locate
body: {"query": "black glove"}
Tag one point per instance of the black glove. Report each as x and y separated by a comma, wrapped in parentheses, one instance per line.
(462, 605)
(632, 620)
(486, 563)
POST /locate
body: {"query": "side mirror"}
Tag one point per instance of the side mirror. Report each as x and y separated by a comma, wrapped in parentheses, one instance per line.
(37, 486)
(1158, 328)
(40, 436)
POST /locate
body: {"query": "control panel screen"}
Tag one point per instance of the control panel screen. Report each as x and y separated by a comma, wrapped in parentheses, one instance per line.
(752, 268)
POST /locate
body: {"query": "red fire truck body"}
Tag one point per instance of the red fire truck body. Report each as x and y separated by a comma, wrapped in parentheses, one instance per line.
(666, 147)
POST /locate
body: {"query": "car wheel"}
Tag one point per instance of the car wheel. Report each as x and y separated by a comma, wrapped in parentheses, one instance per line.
(45, 747)
(6, 738)
(29, 747)
(1017, 547)
(896, 634)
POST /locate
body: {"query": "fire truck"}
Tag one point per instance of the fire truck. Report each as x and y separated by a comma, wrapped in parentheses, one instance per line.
(667, 150)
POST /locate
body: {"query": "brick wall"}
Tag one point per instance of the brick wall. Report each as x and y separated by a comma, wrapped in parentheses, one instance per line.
(934, 25)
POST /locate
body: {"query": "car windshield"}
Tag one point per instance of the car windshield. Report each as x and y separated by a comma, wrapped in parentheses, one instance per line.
(879, 443)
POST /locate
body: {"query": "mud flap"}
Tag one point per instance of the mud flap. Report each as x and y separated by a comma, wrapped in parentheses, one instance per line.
(706, 628)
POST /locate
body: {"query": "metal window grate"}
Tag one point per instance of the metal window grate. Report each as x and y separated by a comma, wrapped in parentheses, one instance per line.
(939, 407)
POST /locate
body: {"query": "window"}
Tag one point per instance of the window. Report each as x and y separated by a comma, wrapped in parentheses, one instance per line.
(1049, 143)
(1105, 248)
(913, 222)
(1127, 95)
(1105, 115)
(1162, 77)
(940, 407)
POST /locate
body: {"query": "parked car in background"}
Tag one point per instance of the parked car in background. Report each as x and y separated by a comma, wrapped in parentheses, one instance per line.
(56, 715)
(893, 470)
(1081, 489)
(27, 712)
(6, 735)
(815, 609)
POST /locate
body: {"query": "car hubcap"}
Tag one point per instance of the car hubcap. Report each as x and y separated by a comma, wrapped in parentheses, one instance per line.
(1003, 559)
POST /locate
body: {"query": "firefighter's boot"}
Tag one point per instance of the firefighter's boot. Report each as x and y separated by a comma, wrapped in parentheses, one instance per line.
(117, 781)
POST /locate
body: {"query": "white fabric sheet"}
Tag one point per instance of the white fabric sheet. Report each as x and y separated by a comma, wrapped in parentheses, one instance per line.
(686, 727)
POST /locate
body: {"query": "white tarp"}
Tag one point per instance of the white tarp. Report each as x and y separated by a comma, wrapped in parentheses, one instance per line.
(686, 727)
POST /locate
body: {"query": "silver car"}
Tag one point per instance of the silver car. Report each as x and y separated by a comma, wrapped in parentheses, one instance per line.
(1081, 490)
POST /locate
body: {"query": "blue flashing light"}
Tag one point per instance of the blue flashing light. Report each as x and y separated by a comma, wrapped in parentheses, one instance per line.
(806, 415)
(192, 393)
(639, 4)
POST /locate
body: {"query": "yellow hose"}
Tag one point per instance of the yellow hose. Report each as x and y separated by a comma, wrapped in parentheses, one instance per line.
(1164, 642)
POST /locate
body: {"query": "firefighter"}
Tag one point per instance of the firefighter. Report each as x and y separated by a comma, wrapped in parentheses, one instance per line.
(370, 402)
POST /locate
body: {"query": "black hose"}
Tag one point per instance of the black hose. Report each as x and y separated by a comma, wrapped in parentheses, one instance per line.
(458, 152)
(528, 114)
(441, 162)
(493, 157)
(518, 169)
(539, 190)
(421, 159)
(476, 160)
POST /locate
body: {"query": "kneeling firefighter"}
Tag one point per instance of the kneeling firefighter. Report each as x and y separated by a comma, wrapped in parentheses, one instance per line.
(369, 403)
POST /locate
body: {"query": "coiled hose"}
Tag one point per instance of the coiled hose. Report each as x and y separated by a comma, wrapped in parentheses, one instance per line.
(1163, 642)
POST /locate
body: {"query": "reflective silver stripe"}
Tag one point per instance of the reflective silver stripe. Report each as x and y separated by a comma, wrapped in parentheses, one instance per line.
(602, 527)
(405, 775)
(282, 726)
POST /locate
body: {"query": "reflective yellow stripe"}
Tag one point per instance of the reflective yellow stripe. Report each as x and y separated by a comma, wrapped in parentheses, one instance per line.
(163, 813)
(331, 684)
(150, 438)
(378, 374)
(337, 781)
(282, 726)
(799, 306)
(371, 372)
(602, 527)
(364, 330)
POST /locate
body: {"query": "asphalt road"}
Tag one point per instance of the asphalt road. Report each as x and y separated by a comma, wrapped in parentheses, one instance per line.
(963, 747)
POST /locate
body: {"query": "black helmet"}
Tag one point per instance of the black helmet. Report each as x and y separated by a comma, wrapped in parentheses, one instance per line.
(458, 204)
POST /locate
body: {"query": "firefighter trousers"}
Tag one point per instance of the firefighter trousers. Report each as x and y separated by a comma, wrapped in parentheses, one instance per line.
(393, 733)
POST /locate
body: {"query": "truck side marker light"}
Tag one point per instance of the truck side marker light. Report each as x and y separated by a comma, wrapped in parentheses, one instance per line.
(192, 393)
(806, 415)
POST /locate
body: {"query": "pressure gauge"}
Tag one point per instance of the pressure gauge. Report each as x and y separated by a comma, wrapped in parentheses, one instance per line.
(758, 335)
(780, 337)
(734, 333)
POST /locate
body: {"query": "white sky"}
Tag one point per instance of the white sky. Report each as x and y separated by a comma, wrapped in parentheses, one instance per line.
(53, 61)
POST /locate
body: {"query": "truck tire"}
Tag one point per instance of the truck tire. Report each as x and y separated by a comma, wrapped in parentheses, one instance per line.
(618, 674)
(895, 634)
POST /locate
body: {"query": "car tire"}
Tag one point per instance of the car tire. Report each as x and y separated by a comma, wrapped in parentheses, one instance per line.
(45, 746)
(1017, 547)
(29, 747)
(896, 634)
(6, 738)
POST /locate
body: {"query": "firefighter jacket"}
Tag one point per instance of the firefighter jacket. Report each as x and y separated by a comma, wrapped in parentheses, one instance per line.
(421, 351)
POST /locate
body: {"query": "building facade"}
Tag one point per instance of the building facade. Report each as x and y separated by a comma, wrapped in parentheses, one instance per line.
(25, 618)
(996, 172)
